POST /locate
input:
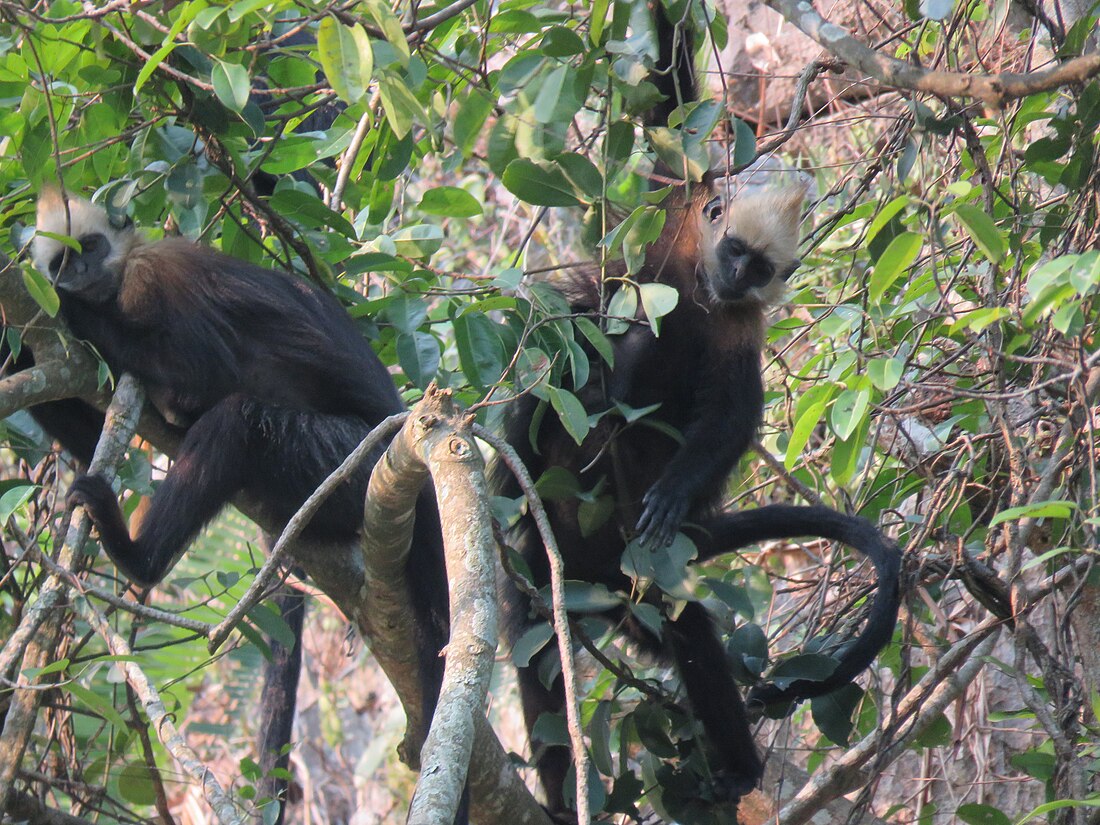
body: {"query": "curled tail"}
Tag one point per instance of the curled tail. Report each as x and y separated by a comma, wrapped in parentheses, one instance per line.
(781, 521)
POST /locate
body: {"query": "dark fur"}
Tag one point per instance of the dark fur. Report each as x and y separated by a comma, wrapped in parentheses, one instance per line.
(274, 386)
(704, 372)
(74, 423)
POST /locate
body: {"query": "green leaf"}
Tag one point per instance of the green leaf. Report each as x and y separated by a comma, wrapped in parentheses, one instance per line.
(545, 106)
(231, 84)
(885, 215)
(421, 240)
(847, 452)
(668, 567)
(808, 420)
(582, 173)
(418, 355)
(42, 291)
(1039, 509)
(744, 146)
(832, 713)
(982, 815)
(597, 339)
(658, 300)
(1035, 763)
(479, 348)
(450, 201)
(582, 597)
(847, 412)
(135, 784)
(306, 208)
(561, 42)
(643, 231)
(750, 643)
(53, 667)
(271, 622)
(592, 515)
(95, 703)
(622, 309)
(470, 119)
(557, 484)
(346, 58)
(401, 105)
(390, 25)
(1058, 805)
(571, 412)
(530, 643)
(885, 373)
(982, 231)
(619, 142)
(150, 65)
(539, 183)
(599, 734)
(14, 499)
(814, 666)
(937, 735)
(897, 257)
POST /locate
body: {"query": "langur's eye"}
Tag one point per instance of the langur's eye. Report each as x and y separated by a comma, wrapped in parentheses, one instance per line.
(90, 243)
(713, 210)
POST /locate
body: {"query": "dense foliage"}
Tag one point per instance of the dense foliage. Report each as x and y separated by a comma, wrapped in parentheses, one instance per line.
(936, 369)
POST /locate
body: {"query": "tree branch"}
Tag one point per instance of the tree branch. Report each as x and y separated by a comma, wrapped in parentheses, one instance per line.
(35, 640)
(458, 475)
(942, 684)
(993, 89)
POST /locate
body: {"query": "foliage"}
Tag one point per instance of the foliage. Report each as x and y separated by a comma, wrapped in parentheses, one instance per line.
(935, 371)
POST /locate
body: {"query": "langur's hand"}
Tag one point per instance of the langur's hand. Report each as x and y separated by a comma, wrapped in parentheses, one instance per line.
(93, 493)
(665, 509)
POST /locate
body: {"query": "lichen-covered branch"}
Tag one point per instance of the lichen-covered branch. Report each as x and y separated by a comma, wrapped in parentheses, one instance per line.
(561, 617)
(458, 475)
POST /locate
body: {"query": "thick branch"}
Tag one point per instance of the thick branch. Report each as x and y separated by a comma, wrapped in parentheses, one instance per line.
(991, 88)
(458, 474)
(60, 372)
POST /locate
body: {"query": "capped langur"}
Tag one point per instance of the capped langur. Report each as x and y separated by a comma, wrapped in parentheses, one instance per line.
(267, 375)
(727, 256)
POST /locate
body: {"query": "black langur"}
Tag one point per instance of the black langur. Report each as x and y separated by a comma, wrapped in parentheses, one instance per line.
(727, 258)
(267, 375)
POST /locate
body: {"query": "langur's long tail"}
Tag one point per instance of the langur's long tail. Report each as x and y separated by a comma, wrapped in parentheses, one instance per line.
(731, 531)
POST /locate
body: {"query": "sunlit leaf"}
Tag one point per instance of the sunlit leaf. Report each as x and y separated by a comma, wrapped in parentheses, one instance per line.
(346, 58)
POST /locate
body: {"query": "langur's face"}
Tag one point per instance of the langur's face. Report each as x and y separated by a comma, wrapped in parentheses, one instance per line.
(94, 270)
(749, 245)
